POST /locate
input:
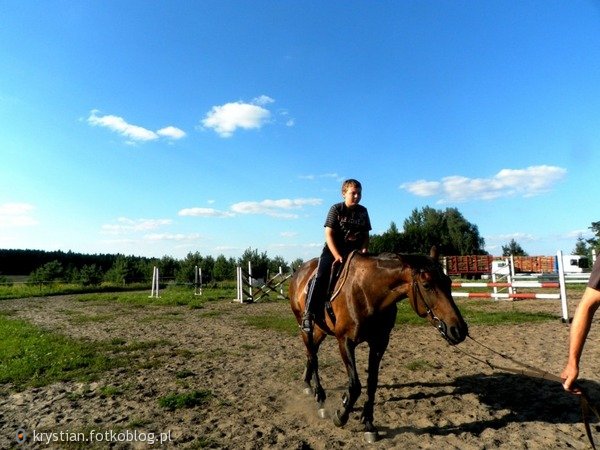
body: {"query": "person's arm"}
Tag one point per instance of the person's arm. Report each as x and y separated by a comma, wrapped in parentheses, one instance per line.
(331, 244)
(364, 248)
(582, 321)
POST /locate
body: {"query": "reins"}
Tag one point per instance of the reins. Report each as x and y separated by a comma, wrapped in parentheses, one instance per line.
(531, 371)
(343, 277)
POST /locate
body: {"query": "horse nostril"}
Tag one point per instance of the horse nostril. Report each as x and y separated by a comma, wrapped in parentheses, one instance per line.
(458, 334)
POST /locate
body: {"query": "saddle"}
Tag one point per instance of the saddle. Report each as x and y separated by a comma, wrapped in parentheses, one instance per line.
(336, 272)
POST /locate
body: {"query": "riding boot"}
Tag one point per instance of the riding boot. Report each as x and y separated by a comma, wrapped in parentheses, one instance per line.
(309, 308)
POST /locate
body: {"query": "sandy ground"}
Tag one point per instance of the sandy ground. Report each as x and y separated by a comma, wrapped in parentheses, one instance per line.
(430, 395)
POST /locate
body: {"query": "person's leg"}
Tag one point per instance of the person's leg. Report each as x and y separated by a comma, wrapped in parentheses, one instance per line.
(317, 290)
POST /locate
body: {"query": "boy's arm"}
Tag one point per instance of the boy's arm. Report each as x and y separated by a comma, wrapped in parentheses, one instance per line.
(331, 244)
(364, 248)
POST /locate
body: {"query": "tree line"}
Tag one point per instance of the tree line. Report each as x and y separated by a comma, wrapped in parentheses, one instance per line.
(70, 267)
(447, 229)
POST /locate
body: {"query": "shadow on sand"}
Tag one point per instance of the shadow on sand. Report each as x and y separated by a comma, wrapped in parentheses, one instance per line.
(528, 400)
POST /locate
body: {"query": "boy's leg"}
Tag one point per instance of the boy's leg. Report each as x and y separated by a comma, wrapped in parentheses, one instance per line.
(317, 291)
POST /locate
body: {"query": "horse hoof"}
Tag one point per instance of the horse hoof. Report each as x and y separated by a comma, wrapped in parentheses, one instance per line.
(339, 421)
(344, 400)
(371, 437)
(322, 413)
(307, 391)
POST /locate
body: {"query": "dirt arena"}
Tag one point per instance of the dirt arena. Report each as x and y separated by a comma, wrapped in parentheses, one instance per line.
(430, 395)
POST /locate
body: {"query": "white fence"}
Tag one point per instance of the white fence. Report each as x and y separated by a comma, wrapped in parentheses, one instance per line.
(251, 289)
(514, 282)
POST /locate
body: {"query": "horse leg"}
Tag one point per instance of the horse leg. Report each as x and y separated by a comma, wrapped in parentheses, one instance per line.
(376, 351)
(311, 371)
(347, 350)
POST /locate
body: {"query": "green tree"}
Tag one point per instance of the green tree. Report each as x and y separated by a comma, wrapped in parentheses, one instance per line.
(513, 248)
(259, 262)
(389, 241)
(128, 269)
(297, 263)
(51, 271)
(275, 264)
(448, 230)
(224, 269)
(90, 275)
(595, 241)
(581, 247)
(186, 271)
(168, 267)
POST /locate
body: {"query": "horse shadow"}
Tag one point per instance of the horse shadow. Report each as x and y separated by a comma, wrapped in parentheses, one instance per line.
(527, 400)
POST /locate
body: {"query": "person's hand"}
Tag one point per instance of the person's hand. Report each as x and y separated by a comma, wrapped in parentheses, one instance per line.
(569, 376)
(337, 258)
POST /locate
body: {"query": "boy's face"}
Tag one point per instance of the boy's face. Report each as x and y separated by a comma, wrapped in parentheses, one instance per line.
(352, 196)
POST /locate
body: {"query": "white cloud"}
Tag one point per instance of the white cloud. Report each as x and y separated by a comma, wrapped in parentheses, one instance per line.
(263, 100)
(226, 119)
(312, 177)
(275, 208)
(125, 225)
(171, 132)
(178, 237)
(528, 182)
(423, 188)
(119, 125)
(204, 212)
(133, 133)
(17, 215)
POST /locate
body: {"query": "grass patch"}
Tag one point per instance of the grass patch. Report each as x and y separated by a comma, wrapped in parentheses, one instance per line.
(479, 313)
(283, 324)
(187, 400)
(30, 356)
(419, 364)
(25, 290)
(33, 357)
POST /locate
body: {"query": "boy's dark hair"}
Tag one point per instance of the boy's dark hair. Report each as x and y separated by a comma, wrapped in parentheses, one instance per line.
(351, 182)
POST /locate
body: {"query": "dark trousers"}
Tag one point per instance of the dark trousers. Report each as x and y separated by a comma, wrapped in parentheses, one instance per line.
(317, 293)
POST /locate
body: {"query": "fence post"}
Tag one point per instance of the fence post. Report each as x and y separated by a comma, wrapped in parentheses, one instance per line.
(197, 280)
(155, 281)
(563, 290)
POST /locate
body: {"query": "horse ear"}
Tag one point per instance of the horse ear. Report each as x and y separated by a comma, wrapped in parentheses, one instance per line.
(434, 252)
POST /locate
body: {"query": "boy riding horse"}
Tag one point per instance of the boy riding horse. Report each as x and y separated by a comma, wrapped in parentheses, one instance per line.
(346, 229)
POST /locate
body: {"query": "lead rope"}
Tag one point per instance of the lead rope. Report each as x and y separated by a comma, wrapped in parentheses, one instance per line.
(586, 405)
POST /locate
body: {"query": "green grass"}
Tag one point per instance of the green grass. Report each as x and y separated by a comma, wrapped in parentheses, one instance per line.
(30, 356)
(26, 290)
(281, 323)
(478, 313)
(187, 400)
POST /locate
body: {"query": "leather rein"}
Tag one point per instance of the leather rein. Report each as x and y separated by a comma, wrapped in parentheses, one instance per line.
(416, 292)
(587, 407)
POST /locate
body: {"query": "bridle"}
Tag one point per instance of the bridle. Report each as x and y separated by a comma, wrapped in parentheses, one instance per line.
(414, 299)
(587, 407)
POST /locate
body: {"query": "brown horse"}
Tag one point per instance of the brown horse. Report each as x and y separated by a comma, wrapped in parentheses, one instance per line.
(364, 309)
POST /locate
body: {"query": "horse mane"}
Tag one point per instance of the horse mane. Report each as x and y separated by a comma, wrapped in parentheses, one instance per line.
(415, 261)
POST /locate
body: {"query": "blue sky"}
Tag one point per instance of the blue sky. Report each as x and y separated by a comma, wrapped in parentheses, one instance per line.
(168, 127)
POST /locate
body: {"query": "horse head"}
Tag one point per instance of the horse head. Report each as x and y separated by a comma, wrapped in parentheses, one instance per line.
(430, 296)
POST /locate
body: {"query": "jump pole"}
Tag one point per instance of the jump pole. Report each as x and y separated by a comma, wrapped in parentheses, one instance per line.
(155, 280)
(563, 289)
(197, 280)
